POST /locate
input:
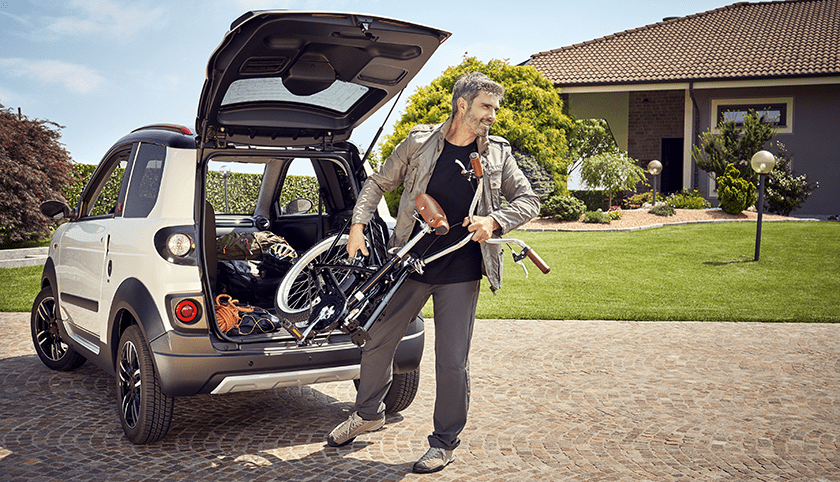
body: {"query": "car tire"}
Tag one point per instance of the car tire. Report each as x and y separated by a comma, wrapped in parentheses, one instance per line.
(402, 392)
(145, 412)
(49, 346)
(296, 291)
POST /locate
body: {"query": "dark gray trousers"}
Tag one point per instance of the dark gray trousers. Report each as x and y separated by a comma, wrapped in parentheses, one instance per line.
(454, 312)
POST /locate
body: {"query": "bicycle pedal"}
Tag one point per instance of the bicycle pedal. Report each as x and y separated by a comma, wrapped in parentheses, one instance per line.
(291, 328)
(359, 336)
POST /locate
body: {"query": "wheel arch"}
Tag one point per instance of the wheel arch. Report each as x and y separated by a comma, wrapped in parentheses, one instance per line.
(132, 304)
(48, 275)
(48, 279)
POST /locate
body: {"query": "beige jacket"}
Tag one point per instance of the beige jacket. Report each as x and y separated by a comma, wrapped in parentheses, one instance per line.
(412, 163)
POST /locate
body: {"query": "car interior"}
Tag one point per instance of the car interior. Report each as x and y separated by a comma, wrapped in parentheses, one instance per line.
(302, 199)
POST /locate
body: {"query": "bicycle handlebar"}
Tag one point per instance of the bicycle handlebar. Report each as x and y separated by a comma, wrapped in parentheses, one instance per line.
(526, 251)
(535, 258)
(475, 162)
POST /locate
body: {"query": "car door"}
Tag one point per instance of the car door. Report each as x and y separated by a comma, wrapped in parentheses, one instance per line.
(83, 248)
(131, 250)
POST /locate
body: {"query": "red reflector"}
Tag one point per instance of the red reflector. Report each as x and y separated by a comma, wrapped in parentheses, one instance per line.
(186, 311)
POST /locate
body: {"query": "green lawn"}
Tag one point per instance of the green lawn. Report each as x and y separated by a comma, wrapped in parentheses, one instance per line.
(18, 287)
(701, 272)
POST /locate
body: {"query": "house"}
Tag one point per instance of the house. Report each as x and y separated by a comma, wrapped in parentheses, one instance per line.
(661, 85)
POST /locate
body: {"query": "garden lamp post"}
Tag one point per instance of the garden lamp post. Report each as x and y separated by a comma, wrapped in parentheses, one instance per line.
(654, 168)
(762, 162)
(225, 171)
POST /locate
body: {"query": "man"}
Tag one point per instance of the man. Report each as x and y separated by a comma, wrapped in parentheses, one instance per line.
(425, 162)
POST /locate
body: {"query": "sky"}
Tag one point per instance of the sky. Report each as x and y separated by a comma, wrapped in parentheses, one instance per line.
(102, 68)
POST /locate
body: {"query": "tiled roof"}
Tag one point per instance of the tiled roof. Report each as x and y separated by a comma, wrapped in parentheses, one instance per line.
(794, 38)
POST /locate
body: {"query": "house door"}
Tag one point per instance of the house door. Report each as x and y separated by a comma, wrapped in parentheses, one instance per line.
(672, 165)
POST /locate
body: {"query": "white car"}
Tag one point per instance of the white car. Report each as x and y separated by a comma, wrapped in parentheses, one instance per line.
(133, 274)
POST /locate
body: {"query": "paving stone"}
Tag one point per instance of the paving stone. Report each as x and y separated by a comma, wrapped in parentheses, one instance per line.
(550, 400)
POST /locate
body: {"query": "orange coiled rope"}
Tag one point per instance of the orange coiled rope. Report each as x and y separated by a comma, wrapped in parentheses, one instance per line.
(228, 314)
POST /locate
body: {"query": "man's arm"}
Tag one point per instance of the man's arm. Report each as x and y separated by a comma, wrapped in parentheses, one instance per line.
(523, 204)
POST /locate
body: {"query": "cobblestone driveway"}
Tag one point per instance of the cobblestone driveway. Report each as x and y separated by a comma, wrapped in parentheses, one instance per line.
(552, 400)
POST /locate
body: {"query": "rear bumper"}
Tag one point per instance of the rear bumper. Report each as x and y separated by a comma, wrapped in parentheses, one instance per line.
(206, 370)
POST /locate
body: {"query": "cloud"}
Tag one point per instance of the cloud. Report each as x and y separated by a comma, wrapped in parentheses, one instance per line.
(75, 78)
(106, 17)
(17, 19)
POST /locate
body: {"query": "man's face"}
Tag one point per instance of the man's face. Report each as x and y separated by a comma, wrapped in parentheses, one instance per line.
(481, 114)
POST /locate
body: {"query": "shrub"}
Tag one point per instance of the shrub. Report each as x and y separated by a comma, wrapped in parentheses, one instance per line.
(594, 199)
(688, 199)
(663, 210)
(542, 182)
(33, 168)
(596, 217)
(735, 193)
(637, 200)
(784, 190)
(615, 213)
(563, 208)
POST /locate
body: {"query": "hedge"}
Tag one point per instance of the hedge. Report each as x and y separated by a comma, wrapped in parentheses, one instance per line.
(243, 189)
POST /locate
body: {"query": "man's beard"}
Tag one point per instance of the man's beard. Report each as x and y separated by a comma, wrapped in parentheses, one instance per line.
(480, 128)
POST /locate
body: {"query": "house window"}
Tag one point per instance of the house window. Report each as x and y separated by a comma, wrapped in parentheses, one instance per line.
(778, 111)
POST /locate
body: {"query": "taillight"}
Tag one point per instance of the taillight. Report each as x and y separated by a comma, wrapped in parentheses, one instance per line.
(180, 244)
(187, 311)
(176, 244)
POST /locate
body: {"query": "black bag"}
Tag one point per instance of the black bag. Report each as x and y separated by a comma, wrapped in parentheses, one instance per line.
(254, 322)
(247, 281)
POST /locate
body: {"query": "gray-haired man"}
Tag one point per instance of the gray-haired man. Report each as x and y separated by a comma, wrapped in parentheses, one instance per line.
(425, 163)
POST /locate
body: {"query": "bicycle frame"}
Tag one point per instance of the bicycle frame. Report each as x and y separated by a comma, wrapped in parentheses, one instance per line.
(345, 305)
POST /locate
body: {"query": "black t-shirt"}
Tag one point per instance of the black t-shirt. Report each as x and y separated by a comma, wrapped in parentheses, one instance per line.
(454, 193)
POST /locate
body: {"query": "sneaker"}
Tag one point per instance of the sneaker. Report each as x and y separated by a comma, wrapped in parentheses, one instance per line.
(434, 460)
(349, 429)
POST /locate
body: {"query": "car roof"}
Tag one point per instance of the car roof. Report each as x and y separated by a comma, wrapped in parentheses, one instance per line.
(282, 78)
(169, 135)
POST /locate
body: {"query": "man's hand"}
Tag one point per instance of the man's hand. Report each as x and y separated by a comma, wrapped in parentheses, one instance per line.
(482, 227)
(356, 240)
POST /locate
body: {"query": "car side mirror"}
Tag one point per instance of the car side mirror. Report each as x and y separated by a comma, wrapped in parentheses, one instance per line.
(55, 210)
(296, 206)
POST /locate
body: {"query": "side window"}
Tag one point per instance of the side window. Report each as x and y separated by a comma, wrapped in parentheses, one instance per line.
(233, 187)
(300, 183)
(103, 194)
(144, 185)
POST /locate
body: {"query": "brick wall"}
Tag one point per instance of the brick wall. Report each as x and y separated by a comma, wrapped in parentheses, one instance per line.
(653, 115)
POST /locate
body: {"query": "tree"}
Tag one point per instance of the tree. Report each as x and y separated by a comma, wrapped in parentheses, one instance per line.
(33, 168)
(733, 145)
(531, 117)
(588, 138)
(613, 171)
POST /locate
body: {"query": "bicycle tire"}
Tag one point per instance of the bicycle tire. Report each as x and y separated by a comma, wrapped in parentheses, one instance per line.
(294, 295)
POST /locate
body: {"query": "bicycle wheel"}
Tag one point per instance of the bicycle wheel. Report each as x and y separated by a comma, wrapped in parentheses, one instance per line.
(296, 292)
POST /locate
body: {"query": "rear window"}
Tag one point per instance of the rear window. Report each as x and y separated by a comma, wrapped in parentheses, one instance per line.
(340, 96)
